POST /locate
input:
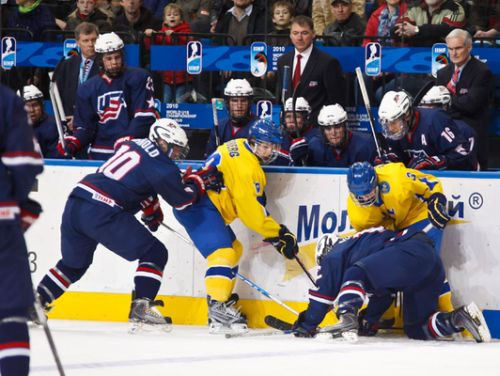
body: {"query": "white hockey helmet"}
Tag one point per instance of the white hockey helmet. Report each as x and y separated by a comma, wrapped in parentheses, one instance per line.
(332, 114)
(172, 134)
(392, 113)
(108, 42)
(238, 88)
(437, 95)
(301, 105)
(30, 92)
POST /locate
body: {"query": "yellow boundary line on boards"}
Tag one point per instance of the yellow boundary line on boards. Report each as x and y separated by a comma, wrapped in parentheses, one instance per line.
(184, 310)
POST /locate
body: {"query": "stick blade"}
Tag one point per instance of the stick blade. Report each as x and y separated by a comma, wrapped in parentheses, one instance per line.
(277, 323)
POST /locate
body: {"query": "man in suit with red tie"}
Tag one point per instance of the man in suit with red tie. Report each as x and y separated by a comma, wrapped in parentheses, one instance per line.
(470, 83)
(314, 75)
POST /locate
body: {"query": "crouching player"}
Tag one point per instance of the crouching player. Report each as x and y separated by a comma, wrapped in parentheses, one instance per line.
(381, 262)
(242, 196)
(101, 210)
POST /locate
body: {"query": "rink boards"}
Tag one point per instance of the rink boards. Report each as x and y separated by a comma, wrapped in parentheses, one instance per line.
(311, 202)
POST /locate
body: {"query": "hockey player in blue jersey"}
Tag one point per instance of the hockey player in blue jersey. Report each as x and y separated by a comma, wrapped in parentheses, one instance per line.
(238, 96)
(423, 138)
(298, 126)
(43, 125)
(19, 165)
(101, 210)
(338, 146)
(112, 107)
(440, 97)
(378, 262)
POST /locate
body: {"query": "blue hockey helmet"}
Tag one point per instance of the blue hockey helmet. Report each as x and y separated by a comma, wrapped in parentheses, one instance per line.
(264, 137)
(362, 183)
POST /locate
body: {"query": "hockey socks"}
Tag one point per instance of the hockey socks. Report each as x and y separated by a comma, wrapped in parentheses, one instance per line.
(147, 280)
(352, 293)
(14, 346)
(57, 281)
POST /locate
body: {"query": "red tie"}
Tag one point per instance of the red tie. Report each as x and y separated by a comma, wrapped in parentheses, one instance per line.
(452, 85)
(296, 73)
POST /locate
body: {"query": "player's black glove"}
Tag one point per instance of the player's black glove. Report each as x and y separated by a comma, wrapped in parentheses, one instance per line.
(299, 150)
(285, 243)
(386, 157)
(436, 210)
(72, 146)
(152, 215)
(301, 329)
(30, 211)
(428, 163)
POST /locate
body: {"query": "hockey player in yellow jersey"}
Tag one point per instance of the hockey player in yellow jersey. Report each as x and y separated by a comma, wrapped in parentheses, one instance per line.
(397, 198)
(207, 222)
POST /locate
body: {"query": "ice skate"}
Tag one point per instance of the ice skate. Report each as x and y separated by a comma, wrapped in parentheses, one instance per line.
(145, 316)
(471, 318)
(347, 327)
(225, 317)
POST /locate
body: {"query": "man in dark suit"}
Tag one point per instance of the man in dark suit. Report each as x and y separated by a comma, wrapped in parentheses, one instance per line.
(470, 84)
(72, 72)
(314, 75)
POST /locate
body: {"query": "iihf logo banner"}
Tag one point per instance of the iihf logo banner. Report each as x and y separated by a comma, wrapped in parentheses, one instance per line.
(440, 57)
(194, 57)
(264, 109)
(70, 48)
(8, 52)
(258, 59)
(373, 59)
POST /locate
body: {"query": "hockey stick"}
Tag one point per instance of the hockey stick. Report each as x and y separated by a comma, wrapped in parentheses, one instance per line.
(259, 334)
(244, 279)
(215, 102)
(366, 100)
(265, 293)
(43, 319)
(285, 83)
(305, 271)
(59, 115)
(421, 93)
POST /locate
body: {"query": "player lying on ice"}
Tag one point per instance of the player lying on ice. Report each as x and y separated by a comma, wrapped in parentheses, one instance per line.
(372, 265)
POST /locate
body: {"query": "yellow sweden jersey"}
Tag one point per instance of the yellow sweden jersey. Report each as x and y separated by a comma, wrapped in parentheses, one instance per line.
(402, 191)
(244, 182)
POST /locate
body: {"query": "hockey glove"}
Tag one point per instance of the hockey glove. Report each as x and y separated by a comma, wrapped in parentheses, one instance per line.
(72, 146)
(152, 215)
(299, 150)
(436, 210)
(285, 243)
(301, 329)
(208, 178)
(30, 211)
(386, 158)
(428, 163)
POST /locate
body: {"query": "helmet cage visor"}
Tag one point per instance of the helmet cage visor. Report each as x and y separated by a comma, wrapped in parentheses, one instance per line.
(265, 151)
(365, 200)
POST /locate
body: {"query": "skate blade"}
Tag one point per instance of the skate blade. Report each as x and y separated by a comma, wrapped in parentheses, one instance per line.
(137, 327)
(478, 317)
(217, 328)
(350, 336)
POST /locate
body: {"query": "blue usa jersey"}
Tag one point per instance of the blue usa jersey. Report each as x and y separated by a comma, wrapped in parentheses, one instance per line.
(226, 133)
(19, 161)
(308, 134)
(435, 134)
(137, 171)
(109, 109)
(359, 147)
(47, 136)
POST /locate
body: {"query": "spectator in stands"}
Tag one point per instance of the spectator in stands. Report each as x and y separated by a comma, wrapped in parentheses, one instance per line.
(243, 19)
(322, 13)
(106, 6)
(175, 84)
(337, 146)
(430, 22)
(33, 16)
(44, 126)
(134, 18)
(238, 96)
(191, 8)
(86, 11)
(314, 74)
(485, 19)
(470, 82)
(282, 14)
(348, 27)
(383, 20)
(71, 73)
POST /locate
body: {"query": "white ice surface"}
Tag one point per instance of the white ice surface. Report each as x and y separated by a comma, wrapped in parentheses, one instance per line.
(98, 348)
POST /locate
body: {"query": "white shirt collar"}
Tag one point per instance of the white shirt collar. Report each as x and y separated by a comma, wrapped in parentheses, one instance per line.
(248, 11)
(306, 53)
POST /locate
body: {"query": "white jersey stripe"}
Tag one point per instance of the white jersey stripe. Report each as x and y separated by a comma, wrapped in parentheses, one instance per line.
(16, 351)
(56, 281)
(22, 160)
(148, 275)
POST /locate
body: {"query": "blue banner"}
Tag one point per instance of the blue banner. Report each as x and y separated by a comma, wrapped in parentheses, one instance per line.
(47, 55)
